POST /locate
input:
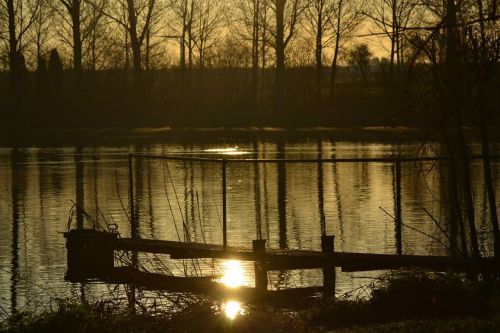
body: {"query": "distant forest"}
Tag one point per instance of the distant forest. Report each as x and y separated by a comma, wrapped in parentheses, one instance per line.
(127, 63)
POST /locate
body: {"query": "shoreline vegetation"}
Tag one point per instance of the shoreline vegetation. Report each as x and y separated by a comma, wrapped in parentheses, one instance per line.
(137, 135)
(211, 97)
(399, 302)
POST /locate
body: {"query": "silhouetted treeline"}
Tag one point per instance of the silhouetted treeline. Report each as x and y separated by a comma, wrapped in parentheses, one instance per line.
(246, 62)
(212, 97)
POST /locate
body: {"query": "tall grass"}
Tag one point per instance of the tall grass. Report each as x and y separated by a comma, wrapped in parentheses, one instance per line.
(403, 302)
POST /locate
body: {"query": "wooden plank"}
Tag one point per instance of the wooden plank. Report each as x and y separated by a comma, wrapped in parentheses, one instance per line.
(305, 259)
(201, 285)
(182, 250)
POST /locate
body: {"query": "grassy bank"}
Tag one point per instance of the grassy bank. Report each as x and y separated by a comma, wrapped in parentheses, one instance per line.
(402, 302)
(80, 318)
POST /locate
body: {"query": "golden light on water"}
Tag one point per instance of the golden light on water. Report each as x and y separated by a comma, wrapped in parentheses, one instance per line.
(227, 151)
(232, 309)
(233, 277)
(232, 274)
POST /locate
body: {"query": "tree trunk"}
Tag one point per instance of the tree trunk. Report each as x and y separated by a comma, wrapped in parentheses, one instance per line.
(14, 63)
(127, 51)
(484, 77)
(453, 106)
(134, 42)
(189, 30)
(255, 50)
(77, 39)
(190, 48)
(94, 38)
(466, 179)
(183, 47)
(333, 74)
(393, 37)
(264, 41)
(488, 180)
(148, 49)
(319, 55)
(280, 53)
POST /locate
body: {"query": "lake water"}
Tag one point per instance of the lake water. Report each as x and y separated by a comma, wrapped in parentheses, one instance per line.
(290, 205)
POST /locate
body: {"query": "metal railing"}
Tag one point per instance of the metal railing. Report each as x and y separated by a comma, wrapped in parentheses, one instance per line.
(395, 160)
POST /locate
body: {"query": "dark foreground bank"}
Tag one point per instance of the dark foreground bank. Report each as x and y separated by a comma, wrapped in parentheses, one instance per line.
(402, 302)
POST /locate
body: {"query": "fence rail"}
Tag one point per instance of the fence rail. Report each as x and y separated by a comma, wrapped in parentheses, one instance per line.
(392, 159)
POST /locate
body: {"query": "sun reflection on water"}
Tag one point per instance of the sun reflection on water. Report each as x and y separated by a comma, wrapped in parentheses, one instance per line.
(232, 309)
(232, 277)
(232, 274)
(227, 151)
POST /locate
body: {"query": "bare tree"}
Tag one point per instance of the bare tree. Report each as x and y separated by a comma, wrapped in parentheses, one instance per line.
(256, 5)
(264, 34)
(137, 35)
(20, 16)
(137, 22)
(209, 17)
(483, 44)
(318, 17)
(287, 15)
(183, 12)
(347, 17)
(252, 26)
(453, 44)
(94, 31)
(41, 33)
(247, 26)
(74, 11)
(393, 17)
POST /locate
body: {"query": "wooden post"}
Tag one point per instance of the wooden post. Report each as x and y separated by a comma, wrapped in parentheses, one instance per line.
(260, 267)
(329, 275)
(90, 253)
(224, 205)
(398, 217)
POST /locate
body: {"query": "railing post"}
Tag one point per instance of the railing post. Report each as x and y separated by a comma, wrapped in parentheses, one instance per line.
(397, 210)
(260, 267)
(329, 275)
(224, 205)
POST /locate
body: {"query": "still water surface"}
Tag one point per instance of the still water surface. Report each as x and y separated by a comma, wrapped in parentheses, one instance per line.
(291, 205)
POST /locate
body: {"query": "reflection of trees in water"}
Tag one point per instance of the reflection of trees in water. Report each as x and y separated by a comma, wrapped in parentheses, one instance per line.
(257, 199)
(338, 200)
(265, 177)
(151, 215)
(17, 179)
(320, 189)
(283, 240)
(44, 243)
(80, 190)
